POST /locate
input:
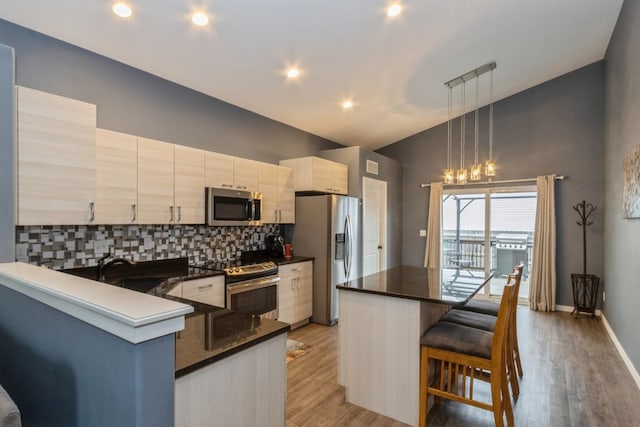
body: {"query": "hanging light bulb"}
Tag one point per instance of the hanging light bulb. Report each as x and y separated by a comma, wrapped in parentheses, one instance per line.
(448, 172)
(490, 165)
(461, 175)
(475, 172)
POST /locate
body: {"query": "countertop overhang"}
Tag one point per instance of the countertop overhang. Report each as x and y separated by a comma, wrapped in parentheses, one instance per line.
(130, 315)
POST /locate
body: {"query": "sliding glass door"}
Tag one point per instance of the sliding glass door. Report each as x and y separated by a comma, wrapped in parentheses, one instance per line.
(489, 231)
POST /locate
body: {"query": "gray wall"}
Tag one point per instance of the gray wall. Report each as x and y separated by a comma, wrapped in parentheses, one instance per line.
(7, 156)
(63, 372)
(389, 170)
(622, 269)
(556, 127)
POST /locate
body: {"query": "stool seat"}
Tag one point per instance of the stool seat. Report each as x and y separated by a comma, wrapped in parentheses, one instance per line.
(486, 322)
(459, 339)
(479, 306)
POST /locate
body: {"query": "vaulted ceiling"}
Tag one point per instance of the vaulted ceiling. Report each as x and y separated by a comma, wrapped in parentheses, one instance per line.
(391, 68)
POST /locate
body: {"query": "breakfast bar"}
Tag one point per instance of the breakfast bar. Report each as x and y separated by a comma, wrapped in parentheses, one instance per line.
(382, 317)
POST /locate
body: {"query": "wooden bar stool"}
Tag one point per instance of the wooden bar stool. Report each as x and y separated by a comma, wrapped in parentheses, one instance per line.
(463, 354)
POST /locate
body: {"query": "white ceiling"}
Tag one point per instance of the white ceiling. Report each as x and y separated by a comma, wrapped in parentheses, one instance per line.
(392, 69)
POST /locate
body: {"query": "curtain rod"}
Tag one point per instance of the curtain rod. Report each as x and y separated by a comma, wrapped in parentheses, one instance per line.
(505, 181)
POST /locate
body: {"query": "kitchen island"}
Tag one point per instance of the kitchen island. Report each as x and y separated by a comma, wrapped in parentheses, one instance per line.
(382, 317)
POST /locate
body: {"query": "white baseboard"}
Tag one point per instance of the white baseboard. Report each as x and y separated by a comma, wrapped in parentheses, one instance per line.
(569, 309)
(623, 354)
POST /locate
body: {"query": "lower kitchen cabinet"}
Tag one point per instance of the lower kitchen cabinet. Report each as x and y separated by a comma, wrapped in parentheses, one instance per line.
(208, 290)
(295, 292)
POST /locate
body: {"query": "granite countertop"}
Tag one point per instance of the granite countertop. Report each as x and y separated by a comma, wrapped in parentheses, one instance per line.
(211, 333)
(444, 286)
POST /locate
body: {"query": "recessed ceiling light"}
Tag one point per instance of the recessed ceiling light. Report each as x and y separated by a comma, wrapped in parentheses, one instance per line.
(292, 73)
(200, 19)
(122, 10)
(394, 10)
(347, 104)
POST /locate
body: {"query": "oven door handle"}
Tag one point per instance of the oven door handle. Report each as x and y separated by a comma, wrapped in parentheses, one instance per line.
(234, 288)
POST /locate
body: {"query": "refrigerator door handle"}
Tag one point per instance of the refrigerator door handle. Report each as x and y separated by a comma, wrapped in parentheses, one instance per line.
(345, 261)
(349, 246)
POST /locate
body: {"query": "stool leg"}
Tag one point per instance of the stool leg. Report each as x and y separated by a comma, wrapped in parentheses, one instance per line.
(424, 395)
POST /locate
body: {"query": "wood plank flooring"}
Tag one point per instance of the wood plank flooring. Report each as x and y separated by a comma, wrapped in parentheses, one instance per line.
(573, 376)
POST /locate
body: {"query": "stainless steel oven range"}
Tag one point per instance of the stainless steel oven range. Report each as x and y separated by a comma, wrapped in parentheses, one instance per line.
(253, 289)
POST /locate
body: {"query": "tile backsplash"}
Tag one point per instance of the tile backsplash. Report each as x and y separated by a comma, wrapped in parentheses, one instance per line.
(82, 245)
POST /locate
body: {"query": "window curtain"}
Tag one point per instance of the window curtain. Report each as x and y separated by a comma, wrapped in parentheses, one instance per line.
(542, 289)
(432, 249)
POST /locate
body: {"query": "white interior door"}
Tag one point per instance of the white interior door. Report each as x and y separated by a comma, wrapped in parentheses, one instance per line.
(374, 225)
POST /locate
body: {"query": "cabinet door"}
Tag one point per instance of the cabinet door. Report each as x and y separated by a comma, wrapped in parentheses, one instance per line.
(287, 294)
(268, 186)
(208, 290)
(304, 291)
(189, 185)
(219, 170)
(340, 178)
(245, 174)
(155, 182)
(322, 171)
(116, 177)
(286, 196)
(56, 159)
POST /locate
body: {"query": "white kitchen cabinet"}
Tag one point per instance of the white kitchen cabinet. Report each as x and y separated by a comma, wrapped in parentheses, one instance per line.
(295, 292)
(223, 171)
(318, 175)
(189, 173)
(116, 177)
(155, 182)
(56, 159)
(278, 197)
(209, 290)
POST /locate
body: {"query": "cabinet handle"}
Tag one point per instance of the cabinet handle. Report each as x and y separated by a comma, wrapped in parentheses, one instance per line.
(279, 216)
(179, 213)
(171, 213)
(92, 212)
(298, 282)
(297, 269)
(133, 212)
(276, 215)
(202, 287)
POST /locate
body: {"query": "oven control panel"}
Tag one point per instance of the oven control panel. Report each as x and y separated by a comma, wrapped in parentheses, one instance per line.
(249, 270)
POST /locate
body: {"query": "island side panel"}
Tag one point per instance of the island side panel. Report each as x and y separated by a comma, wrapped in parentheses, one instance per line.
(246, 389)
(63, 371)
(380, 353)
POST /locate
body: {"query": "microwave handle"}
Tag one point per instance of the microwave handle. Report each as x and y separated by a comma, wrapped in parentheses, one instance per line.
(253, 210)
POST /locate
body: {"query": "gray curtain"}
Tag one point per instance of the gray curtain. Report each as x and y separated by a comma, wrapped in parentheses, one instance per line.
(542, 288)
(432, 249)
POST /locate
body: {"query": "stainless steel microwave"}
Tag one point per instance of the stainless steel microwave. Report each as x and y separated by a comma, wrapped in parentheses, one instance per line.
(232, 207)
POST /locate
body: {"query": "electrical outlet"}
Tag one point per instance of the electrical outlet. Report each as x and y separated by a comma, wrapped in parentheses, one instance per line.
(423, 233)
(101, 246)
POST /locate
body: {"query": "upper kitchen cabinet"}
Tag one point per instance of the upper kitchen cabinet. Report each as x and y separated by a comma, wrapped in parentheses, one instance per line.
(313, 174)
(223, 171)
(278, 196)
(56, 159)
(189, 185)
(155, 182)
(116, 177)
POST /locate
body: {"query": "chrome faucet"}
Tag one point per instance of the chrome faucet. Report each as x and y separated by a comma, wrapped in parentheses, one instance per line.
(102, 266)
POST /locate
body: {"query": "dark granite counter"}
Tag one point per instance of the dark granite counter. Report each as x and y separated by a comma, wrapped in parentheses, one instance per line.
(446, 286)
(211, 333)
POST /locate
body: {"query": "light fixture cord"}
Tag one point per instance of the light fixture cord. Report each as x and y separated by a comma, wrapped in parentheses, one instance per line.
(477, 118)
(491, 115)
(449, 127)
(462, 126)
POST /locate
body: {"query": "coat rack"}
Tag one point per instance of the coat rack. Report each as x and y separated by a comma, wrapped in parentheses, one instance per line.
(585, 286)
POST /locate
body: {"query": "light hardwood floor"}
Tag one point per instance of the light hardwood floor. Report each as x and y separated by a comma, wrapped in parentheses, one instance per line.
(573, 376)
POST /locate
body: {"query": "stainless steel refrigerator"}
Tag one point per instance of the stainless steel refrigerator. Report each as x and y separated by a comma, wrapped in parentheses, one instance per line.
(328, 228)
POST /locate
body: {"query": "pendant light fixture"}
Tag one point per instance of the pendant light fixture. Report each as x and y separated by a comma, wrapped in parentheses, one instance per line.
(448, 172)
(475, 173)
(461, 174)
(490, 165)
